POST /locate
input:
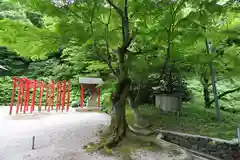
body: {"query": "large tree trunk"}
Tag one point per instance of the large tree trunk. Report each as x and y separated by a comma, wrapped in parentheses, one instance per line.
(119, 126)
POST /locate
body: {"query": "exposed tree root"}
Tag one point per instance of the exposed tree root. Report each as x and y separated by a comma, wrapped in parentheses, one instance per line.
(135, 139)
(109, 138)
(114, 134)
(109, 141)
(139, 121)
(143, 131)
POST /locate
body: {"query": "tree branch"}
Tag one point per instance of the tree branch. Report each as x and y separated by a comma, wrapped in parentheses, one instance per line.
(220, 79)
(109, 60)
(126, 39)
(74, 13)
(133, 14)
(118, 9)
(134, 33)
(170, 31)
(85, 16)
(125, 26)
(140, 51)
(179, 6)
(224, 94)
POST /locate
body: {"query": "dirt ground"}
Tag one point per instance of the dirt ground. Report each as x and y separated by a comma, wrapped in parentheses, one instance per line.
(58, 136)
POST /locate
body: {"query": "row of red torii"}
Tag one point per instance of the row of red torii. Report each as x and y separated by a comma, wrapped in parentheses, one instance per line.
(58, 92)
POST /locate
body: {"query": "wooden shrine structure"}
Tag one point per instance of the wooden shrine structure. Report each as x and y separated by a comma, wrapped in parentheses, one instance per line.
(95, 93)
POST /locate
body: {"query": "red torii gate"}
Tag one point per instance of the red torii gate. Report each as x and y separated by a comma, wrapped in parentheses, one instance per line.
(25, 85)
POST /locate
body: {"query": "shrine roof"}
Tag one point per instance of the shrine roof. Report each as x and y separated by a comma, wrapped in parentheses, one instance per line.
(86, 80)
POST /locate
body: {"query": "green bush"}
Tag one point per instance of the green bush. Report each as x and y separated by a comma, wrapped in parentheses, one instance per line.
(228, 103)
(6, 90)
(105, 102)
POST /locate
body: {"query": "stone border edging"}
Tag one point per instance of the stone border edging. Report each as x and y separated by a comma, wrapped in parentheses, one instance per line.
(215, 147)
(183, 153)
(201, 155)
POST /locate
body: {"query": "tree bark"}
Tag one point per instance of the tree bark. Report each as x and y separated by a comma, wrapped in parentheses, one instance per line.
(206, 97)
(212, 75)
(204, 79)
(119, 125)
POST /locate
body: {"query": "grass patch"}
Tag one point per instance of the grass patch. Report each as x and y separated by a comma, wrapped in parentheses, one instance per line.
(195, 120)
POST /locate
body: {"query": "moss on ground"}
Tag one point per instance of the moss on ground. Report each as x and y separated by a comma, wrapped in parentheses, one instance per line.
(127, 146)
(195, 120)
(133, 142)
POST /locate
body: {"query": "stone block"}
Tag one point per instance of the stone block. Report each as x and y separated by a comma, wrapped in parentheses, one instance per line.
(215, 154)
(203, 150)
(220, 148)
(169, 137)
(235, 147)
(203, 142)
(193, 140)
(185, 143)
(194, 147)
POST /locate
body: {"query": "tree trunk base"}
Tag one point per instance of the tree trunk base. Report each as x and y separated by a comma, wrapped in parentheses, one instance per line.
(133, 140)
(139, 121)
(118, 130)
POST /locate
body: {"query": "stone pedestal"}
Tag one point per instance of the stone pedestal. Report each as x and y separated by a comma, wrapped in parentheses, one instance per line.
(168, 103)
(92, 101)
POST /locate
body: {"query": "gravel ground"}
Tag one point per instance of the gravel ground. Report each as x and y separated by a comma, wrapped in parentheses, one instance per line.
(58, 136)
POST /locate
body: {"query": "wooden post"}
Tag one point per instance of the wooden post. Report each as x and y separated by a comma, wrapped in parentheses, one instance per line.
(82, 96)
(63, 94)
(46, 105)
(58, 95)
(24, 96)
(52, 95)
(13, 94)
(99, 95)
(33, 142)
(40, 96)
(68, 96)
(26, 101)
(33, 95)
(19, 96)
